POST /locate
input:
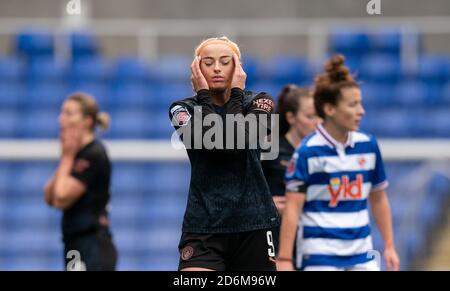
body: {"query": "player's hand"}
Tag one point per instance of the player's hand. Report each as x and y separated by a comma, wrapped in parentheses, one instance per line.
(198, 81)
(285, 266)
(391, 259)
(70, 138)
(239, 76)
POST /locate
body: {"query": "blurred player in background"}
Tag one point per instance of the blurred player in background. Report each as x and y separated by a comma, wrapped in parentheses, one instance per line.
(80, 185)
(332, 176)
(230, 212)
(297, 119)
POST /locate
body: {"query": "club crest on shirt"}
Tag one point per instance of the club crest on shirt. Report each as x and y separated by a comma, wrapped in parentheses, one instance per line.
(81, 165)
(181, 115)
(292, 164)
(361, 162)
(186, 253)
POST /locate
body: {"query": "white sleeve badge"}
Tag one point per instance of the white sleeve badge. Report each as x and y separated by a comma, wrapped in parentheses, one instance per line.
(180, 115)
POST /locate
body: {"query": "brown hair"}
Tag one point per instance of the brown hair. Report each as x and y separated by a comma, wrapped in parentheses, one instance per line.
(89, 108)
(288, 101)
(328, 86)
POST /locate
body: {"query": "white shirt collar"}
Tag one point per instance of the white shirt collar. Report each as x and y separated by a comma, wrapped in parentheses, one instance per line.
(331, 141)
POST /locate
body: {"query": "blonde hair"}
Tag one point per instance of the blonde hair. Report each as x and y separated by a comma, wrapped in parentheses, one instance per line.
(221, 40)
(89, 108)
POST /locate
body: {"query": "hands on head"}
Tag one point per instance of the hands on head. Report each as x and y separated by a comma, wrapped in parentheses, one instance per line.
(199, 82)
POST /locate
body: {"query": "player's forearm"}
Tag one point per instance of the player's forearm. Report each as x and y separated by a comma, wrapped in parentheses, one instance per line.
(288, 230)
(383, 218)
(48, 190)
(61, 178)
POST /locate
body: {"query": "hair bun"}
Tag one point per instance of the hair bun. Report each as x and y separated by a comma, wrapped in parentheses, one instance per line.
(337, 71)
(103, 120)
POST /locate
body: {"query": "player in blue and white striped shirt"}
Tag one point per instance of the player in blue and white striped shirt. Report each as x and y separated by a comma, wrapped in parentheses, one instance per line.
(332, 176)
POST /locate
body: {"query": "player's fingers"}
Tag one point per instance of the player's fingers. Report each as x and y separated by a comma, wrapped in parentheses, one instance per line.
(193, 68)
(197, 66)
(389, 264)
(237, 63)
(396, 264)
(193, 82)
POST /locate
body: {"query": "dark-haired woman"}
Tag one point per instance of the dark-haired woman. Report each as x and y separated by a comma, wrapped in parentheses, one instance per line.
(297, 119)
(333, 176)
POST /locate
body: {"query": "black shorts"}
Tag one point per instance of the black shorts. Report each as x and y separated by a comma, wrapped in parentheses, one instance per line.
(244, 251)
(96, 252)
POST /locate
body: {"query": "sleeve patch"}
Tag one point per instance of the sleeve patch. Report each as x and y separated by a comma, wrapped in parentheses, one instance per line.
(81, 165)
(264, 104)
(181, 115)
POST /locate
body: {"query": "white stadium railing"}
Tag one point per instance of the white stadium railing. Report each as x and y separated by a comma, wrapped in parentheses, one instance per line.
(162, 150)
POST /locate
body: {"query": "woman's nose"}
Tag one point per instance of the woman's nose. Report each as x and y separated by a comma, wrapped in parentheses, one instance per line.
(217, 67)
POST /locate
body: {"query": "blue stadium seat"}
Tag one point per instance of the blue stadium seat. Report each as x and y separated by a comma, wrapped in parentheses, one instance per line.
(389, 123)
(434, 68)
(286, 69)
(251, 65)
(131, 69)
(128, 180)
(387, 41)
(161, 125)
(9, 123)
(166, 94)
(34, 43)
(42, 123)
(90, 69)
(46, 96)
(5, 178)
(169, 212)
(46, 69)
(127, 212)
(439, 185)
(11, 95)
(434, 95)
(445, 95)
(410, 94)
(375, 95)
(133, 96)
(172, 68)
(31, 176)
(380, 68)
(161, 180)
(28, 211)
(271, 88)
(439, 123)
(83, 44)
(130, 124)
(11, 68)
(349, 41)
